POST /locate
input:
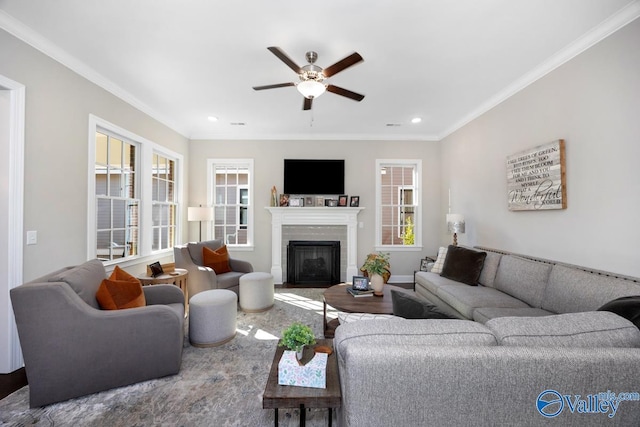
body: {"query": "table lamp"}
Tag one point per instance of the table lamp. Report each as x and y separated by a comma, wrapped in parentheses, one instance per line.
(455, 225)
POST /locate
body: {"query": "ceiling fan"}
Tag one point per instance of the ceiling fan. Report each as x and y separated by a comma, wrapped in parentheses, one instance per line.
(311, 76)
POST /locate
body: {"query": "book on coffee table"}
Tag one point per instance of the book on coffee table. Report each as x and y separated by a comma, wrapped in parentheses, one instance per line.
(357, 293)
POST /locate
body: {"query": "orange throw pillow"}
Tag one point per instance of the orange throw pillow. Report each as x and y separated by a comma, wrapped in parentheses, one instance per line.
(218, 259)
(120, 290)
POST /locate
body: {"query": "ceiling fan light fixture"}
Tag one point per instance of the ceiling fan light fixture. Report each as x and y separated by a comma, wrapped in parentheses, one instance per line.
(311, 89)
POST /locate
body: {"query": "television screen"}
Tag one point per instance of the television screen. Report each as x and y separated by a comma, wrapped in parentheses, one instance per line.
(313, 176)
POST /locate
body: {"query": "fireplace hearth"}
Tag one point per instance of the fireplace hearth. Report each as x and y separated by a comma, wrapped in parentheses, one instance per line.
(311, 262)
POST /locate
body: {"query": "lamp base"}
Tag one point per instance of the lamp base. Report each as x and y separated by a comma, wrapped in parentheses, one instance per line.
(455, 239)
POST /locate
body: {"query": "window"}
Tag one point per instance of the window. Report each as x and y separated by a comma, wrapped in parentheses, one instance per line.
(397, 202)
(231, 184)
(134, 195)
(164, 202)
(116, 195)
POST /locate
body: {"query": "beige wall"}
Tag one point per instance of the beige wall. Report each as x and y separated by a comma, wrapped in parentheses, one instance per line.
(360, 179)
(593, 103)
(58, 105)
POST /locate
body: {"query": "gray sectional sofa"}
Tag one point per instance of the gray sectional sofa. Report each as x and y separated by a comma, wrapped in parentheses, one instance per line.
(518, 285)
(526, 349)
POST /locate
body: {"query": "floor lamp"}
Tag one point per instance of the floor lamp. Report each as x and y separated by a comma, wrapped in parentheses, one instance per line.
(200, 214)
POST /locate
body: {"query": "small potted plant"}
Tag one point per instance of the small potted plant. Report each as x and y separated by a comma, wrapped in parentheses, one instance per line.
(296, 336)
(376, 266)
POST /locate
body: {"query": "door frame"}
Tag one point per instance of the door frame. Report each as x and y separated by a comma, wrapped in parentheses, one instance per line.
(12, 359)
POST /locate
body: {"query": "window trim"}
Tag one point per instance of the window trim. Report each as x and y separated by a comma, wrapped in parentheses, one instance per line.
(417, 192)
(173, 203)
(146, 150)
(211, 163)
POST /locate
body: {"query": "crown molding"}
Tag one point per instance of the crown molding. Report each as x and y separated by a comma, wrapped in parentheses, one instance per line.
(37, 41)
(310, 137)
(624, 16)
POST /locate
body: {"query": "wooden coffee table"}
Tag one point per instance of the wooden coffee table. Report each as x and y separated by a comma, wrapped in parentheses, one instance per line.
(286, 396)
(338, 298)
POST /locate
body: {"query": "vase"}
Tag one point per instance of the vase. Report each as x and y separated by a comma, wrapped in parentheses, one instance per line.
(377, 284)
(299, 353)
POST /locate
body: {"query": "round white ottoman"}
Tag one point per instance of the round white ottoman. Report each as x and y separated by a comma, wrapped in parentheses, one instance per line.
(212, 317)
(256, 292)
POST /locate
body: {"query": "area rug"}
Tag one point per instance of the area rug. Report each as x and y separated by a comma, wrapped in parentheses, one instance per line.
(220, 386)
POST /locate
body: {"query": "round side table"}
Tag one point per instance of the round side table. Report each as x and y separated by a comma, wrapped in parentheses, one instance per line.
(177, 277)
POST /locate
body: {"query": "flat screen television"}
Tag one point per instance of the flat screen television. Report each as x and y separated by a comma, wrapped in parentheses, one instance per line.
(306, 176)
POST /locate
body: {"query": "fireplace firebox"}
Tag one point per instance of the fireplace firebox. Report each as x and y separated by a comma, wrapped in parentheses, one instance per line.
(311, 262)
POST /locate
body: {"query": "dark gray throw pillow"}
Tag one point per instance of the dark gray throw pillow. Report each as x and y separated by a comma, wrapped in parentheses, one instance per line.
(463, 265)
(410, 307)
(627, 307)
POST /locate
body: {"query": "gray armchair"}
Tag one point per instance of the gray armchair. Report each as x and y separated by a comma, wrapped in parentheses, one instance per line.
(203, 278)
(72, 348)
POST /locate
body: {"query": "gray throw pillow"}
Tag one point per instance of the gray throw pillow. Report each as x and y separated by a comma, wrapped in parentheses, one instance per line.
(410, 307)
(463, 265)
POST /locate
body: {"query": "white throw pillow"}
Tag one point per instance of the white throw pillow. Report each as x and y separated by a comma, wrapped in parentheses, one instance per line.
(437, 267)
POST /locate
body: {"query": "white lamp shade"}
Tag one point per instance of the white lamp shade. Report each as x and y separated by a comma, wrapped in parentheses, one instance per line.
(455, 223)
(200, 214)
(311, 88)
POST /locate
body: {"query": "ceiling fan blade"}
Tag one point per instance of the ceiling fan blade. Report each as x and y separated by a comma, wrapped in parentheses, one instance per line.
(284, 58)
(307, 104)
(273, 86)
(347, 62)
(344, 92)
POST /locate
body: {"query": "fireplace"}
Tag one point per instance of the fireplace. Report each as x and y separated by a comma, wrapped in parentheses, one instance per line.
(311, 262)
(314, 217)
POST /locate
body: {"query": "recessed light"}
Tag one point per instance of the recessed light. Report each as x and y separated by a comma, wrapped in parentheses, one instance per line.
(416, 120)
(212, 118)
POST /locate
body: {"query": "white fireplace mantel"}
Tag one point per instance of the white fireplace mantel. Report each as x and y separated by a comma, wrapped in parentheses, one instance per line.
(347, 216)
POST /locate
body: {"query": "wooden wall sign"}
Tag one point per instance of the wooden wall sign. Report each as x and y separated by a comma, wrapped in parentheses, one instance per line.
(536, 178)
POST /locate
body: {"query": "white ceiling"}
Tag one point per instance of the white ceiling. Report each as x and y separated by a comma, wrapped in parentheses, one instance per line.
(442, 60)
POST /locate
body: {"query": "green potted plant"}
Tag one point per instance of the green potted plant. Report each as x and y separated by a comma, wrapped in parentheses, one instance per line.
(377, 266)
(296, 336)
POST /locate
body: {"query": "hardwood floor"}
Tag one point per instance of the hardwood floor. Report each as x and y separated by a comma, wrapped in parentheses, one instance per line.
(12, 382)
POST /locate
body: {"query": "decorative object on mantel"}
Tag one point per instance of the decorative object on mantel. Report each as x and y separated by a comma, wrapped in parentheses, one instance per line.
(200, 214)
(332, 203)
(376, 266)
(455, 225)
(296, 336)
(355, 201)
(274, 197)
(284, 200)
(296, 202)
(342, 200)
(536, 178)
